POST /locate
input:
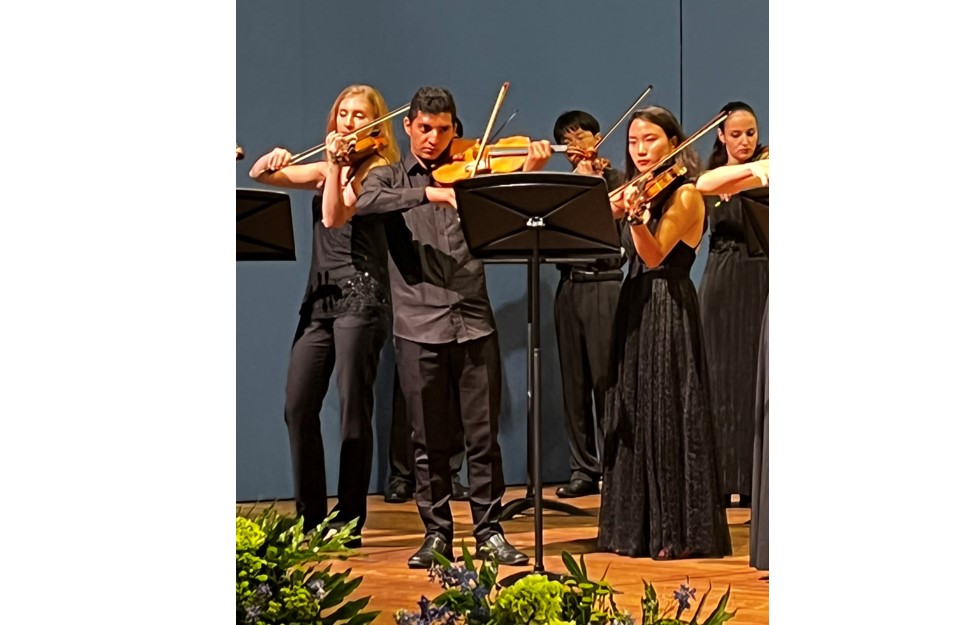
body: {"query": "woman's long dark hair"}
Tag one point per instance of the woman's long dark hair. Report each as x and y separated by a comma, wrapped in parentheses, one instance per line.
(664, 119)
(720, 155)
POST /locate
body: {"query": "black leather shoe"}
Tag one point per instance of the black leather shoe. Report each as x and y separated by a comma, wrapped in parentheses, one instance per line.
(577, 488)
(459, 492)
(423, 558)
(504, 552)
(400, 492)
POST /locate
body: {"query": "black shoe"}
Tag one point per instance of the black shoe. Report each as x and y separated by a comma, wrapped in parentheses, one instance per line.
(504, 552)
(423, 558)
(400, 492)
(577, 488)
(459, 492)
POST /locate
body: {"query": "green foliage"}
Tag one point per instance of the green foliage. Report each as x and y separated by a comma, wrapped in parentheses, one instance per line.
(276, 581)
(474, 598)
(586, 600)
(533, 600)
(681, 602)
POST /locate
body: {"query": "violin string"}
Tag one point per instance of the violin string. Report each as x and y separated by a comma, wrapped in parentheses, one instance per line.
(500, 129)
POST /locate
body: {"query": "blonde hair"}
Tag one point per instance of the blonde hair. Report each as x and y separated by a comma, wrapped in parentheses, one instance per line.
(390, 152)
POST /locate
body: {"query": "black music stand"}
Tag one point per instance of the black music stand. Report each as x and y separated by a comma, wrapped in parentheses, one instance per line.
(264, 230)
(755, 205)
(518, 216)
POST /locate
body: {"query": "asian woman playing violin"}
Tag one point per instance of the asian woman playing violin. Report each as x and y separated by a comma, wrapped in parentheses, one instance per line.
(344, 317)
(661, 494)
(733, 291)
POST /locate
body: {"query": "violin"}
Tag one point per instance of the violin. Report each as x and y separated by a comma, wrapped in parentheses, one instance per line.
(647, 177)
(586, 146)
(372, 127)
(505, 156)
(586, 149)
(652, 189)
(361, 150)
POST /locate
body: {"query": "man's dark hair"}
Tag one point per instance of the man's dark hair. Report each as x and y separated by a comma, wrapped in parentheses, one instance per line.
(432, 101)
(573, 120)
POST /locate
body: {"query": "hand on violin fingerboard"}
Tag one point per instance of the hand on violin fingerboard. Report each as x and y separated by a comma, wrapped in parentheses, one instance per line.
(337, 147)
(631, 198)
(539, 154)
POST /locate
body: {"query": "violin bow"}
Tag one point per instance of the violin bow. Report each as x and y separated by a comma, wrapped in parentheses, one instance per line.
(623, 116)
(621, 119)
(489, 126)
(319, 148)
(651, 172)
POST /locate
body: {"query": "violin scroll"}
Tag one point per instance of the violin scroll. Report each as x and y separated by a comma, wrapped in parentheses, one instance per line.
(350, 151)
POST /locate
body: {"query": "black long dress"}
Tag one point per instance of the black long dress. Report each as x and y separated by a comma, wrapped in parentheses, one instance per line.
(759, 529)
(662, 495)
(732, 297)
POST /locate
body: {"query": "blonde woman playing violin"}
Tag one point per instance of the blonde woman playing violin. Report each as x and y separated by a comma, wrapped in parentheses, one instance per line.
(661, 494)
(344, 317)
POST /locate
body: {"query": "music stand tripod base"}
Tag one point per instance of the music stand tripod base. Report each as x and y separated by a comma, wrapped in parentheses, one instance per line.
(532, 217)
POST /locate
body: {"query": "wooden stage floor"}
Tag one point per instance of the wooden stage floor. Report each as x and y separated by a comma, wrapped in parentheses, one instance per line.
(394, 531)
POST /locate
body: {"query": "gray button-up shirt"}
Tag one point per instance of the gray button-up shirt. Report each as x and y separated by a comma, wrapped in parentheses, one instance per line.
(438, 288)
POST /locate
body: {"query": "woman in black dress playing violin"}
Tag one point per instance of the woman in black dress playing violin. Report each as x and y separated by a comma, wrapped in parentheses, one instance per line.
(661, 493)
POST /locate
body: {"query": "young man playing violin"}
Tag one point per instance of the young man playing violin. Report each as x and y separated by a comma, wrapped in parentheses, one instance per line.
(587, 297)
(445, 333)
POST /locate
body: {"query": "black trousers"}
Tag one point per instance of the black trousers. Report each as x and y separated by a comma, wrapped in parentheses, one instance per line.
(401, 452)
(584, 318)
(470, 370)
(353, 344)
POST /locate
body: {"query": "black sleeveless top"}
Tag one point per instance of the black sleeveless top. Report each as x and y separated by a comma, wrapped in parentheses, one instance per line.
(348, 270)
(679, 261)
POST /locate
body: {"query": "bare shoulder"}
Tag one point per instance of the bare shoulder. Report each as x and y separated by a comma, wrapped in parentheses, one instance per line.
(687, 203)
(687, 195)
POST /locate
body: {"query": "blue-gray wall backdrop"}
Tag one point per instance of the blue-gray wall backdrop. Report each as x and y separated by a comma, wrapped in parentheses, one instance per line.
(294, 56)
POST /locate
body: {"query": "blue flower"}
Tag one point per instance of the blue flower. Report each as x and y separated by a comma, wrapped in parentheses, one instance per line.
(263, 591)
(480, 592)
(683, 595)
(453, 577)
(253, 613)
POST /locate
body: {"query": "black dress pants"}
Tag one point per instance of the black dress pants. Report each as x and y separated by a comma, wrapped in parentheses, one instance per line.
(401, 452)
(584, 318)
(470, 370)
(353, 344)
